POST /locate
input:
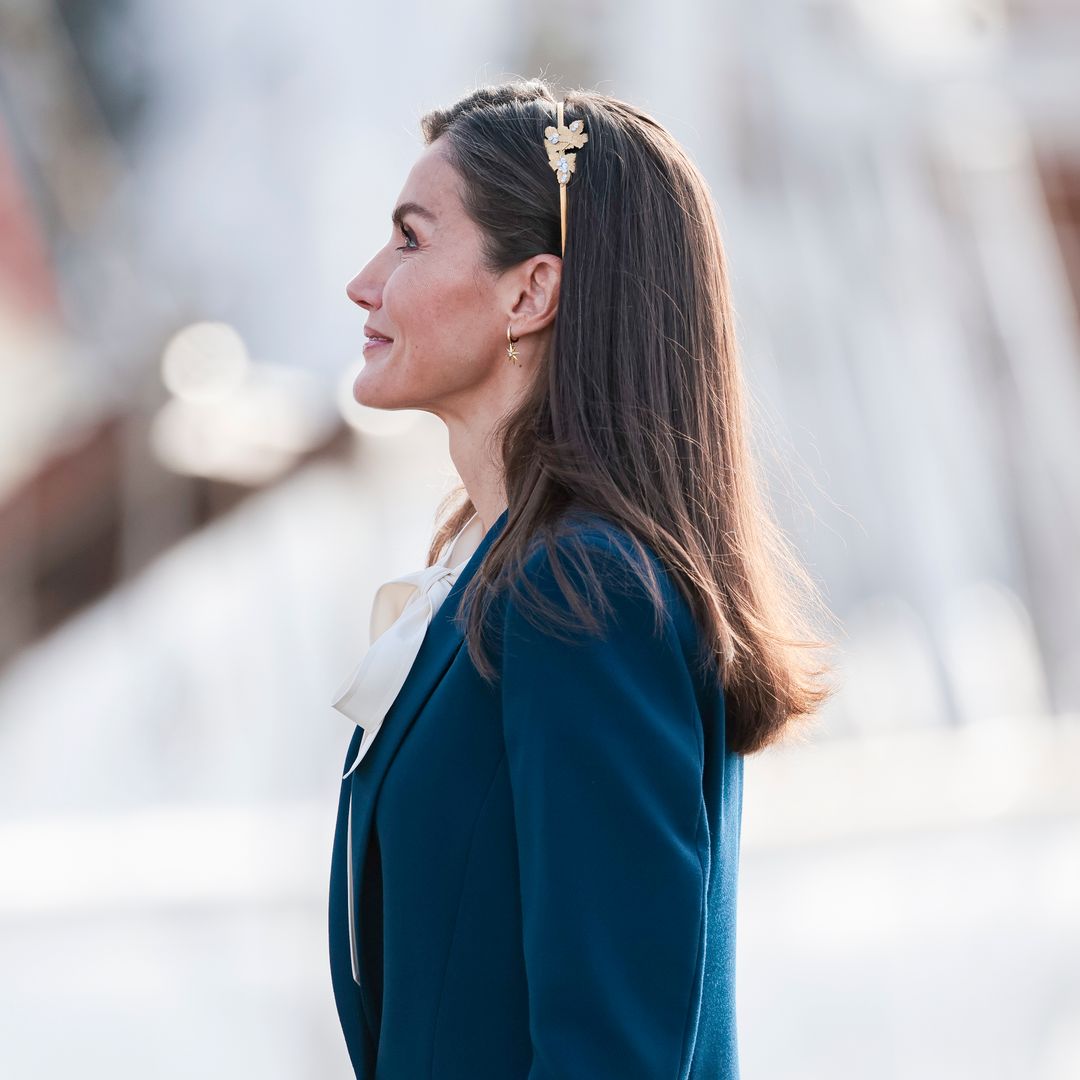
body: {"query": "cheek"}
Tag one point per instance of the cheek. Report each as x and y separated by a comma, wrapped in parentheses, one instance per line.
(425, 302)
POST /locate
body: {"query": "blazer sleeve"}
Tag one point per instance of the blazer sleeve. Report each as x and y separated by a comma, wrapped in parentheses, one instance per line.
(605, 754)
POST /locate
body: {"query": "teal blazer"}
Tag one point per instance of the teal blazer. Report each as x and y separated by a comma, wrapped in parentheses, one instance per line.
(544, 870)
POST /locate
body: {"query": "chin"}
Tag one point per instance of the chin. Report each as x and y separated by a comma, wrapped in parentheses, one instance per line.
(374, 390)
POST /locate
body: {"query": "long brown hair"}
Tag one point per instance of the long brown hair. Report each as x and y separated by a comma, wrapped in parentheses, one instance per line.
(637, 413)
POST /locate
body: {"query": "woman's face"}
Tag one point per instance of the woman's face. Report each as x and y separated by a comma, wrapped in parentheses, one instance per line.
(426, 291)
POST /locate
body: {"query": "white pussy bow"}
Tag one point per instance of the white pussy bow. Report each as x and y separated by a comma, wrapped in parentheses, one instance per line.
(400, 613)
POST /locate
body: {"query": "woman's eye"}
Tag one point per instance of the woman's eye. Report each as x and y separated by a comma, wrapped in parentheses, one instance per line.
(408, 233)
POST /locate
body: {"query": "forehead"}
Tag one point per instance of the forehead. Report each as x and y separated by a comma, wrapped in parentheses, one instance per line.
(434, 183)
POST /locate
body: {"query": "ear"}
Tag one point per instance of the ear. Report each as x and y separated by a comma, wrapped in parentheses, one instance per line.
(532, 293)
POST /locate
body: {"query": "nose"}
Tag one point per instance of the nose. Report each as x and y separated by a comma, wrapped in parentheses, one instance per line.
(366, 288)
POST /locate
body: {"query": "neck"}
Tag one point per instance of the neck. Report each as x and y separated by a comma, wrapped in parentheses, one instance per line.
(481, 475)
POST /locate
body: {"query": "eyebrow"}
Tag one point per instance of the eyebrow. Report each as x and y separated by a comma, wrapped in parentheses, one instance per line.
(411, 208)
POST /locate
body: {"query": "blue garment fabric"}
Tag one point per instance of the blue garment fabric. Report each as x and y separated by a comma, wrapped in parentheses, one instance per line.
(545, 870)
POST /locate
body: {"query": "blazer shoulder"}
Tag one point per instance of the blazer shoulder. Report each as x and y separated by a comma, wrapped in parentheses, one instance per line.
(609, 567)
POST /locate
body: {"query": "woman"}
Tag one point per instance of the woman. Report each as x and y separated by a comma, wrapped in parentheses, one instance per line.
(534, 867)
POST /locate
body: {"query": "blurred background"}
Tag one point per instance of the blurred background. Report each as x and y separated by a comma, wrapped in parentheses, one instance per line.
(194, 513)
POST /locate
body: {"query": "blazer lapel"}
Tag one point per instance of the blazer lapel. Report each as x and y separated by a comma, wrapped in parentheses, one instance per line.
(441, 643)
(355, 1022)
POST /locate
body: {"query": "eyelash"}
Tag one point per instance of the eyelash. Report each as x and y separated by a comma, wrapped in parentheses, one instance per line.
(409, 235)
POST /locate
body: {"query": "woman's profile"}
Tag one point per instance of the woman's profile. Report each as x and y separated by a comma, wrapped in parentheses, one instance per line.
(535, 863)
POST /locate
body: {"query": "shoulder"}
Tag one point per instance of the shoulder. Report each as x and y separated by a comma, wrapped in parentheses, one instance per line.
(619, 579)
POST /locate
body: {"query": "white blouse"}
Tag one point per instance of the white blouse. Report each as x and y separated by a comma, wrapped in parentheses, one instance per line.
(400, 613)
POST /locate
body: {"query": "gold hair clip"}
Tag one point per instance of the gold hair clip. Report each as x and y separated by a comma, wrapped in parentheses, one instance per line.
(557, 140)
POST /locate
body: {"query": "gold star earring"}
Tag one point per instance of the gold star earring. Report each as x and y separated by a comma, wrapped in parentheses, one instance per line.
(511, 352)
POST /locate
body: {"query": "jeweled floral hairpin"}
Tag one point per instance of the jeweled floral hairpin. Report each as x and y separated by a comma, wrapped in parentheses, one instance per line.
(557, 141)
